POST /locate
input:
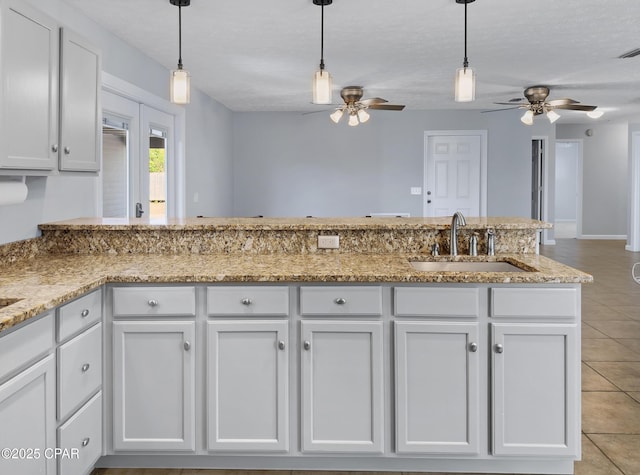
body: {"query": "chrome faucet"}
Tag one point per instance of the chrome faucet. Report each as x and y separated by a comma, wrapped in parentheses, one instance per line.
(456, 220)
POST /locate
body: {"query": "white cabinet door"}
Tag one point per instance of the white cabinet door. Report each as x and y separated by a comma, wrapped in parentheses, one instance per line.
(342, 392)
(536, 389)
(437, 395)
(247, 385)
(153, 385)
(28, 88)
(79, 104)
(28, 420)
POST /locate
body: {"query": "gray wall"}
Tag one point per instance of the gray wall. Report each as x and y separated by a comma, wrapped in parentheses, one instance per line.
(207, 143)
(289, 164)
(605, 176)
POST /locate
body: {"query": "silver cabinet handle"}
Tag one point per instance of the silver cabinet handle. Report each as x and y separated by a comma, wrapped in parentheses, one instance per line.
(85, 367)
(67, 150)
(499, 348)
(54, 148)
(84, 313)
(187, 345)
(86, 441)
(473, 347)
(340, 301)
(246, 301)
(153, 303)
(281, 345)
(307, 345)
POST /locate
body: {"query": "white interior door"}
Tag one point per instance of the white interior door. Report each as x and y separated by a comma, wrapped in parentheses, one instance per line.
(568, 174)
(453, 175)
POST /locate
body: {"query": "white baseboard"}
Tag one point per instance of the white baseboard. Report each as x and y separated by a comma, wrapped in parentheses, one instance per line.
(630, 248)
(613, 237)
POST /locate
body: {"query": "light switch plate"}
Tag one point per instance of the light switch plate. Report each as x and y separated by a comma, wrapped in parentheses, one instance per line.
(416, 190)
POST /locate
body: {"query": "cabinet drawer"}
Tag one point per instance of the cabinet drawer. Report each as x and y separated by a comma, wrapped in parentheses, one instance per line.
(79, 369)
(79, 314)
(561, 303)
(248, 300)
(436, 302)
(154, 301)
(25, 344)
(83, 433)
(341, 300)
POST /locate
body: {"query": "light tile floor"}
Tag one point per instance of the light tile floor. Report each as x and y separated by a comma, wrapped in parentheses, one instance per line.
(610, 364)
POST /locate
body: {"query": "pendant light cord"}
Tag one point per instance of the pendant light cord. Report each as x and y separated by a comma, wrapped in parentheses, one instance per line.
(180, 37)
(322, 38)
(465, 63)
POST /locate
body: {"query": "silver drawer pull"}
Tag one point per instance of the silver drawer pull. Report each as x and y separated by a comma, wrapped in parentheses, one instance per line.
(473, 347)
(499, 348)
(54, 148)
(86, 441)
(153, 303)
(307, 345)
(340, 301)
(281, 345)
(187, 345)
(67, 150)
(246, 301)
(85, 367)
(84, 313)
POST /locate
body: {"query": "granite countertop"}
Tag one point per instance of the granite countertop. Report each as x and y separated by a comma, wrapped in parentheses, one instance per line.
(49, 280)
(310, 223)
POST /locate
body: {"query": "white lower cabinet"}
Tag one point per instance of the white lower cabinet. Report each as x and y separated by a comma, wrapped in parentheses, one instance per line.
(154, 385)
(536, 389)
(247, 386)
(437, 392)
(342, 386)
(28, 420)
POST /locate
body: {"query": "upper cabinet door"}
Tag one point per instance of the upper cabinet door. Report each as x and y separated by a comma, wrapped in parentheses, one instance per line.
(29, 88)
(79, 104)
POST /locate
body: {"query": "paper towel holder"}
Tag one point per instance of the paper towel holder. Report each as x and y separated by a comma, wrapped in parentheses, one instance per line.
(13, 190)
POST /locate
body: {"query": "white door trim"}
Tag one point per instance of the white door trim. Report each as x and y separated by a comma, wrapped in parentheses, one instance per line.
(633, 239)
(483, 163)
(176, 193)
(580, 143)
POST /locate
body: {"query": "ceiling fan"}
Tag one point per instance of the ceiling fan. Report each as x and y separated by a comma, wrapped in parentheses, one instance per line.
(356, 107)
(537, 104)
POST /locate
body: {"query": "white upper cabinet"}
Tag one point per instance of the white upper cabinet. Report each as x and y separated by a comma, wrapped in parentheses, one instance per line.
(79, 103)
(49, 94)
(29, 88)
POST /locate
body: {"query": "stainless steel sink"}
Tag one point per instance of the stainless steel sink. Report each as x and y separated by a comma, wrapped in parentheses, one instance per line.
(6, 302)
(468, 266)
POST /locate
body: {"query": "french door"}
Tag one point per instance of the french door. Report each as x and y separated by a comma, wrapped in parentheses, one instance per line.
(138, 148)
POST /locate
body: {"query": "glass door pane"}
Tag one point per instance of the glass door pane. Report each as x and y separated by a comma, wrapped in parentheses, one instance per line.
(157, 173)
(115, 169)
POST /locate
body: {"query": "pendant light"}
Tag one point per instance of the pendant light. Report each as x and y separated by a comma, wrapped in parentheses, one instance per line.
(322, 79)
(180, 78)
(465, 84)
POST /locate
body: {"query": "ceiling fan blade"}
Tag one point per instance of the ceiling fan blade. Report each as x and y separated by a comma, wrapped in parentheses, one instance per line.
(373, 100)
(576, 107)
(561, 102)
(515, 105)
(499, 110)
(387, 107)
(315, 112)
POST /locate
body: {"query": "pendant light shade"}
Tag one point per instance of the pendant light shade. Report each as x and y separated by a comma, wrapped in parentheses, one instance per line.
(322, 84)
(322, 87)
(353, 119)
(465, 85)
(180, 79)
(337, 115)
(180, 86)
(465, 82)
(552, 116)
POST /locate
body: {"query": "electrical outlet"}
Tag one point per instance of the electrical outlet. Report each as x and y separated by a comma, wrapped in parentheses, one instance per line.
(328, 242)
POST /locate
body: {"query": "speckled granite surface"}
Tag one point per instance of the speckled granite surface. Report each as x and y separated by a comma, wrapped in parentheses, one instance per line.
(49, 280)
(281, 235)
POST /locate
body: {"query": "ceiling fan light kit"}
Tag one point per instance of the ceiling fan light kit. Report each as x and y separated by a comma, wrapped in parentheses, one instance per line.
(465, 81)
(322, 83)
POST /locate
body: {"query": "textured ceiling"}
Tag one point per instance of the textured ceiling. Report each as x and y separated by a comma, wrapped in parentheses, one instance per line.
(258, 55)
